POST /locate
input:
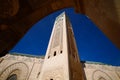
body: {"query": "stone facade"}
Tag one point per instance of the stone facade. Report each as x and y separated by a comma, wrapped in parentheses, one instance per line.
(24, 67)
(29, 68)
(99, 71)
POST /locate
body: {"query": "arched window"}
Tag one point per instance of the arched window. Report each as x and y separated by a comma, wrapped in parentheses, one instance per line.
(12, 77)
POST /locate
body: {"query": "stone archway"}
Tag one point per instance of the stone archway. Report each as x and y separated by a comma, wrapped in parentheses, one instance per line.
(17, 70)
(105, 14)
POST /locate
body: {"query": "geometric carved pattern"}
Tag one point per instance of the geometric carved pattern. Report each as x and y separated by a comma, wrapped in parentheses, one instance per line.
(55, 74)
(100, 75)
(20, 69)
(57, 34)
(118, 74)
(57, 38)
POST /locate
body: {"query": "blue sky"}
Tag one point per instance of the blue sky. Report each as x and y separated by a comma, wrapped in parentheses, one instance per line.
(92, 44)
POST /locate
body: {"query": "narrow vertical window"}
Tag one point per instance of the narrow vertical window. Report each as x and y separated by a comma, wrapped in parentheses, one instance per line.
(55, 53)
(61, 51)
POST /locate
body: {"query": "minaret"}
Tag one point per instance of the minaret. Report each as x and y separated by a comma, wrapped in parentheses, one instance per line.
(61, 59)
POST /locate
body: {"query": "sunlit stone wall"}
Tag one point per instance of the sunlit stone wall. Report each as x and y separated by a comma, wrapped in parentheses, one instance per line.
(96, 71)
(20, 67)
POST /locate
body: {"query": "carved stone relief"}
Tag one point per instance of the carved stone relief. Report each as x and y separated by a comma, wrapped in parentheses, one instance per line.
(118, 74)
(57, 44)
(100, 75)
(19, 69)
(57, 33)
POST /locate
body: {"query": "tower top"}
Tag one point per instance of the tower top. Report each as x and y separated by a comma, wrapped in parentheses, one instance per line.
(61, 15)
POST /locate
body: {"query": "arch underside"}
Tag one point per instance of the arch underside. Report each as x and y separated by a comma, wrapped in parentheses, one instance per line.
(103, 13)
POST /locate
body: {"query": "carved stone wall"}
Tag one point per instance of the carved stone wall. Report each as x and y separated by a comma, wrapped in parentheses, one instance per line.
(29, 68)
(20, 67)
(95, 71)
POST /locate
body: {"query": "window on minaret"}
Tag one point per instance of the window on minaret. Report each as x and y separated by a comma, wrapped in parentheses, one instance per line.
(61, 51)
(55, 53)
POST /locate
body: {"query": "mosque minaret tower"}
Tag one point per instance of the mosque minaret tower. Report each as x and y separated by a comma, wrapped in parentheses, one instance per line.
(61, 59)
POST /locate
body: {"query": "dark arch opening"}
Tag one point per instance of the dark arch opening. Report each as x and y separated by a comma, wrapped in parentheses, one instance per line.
(12, 77)
(54, 53)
